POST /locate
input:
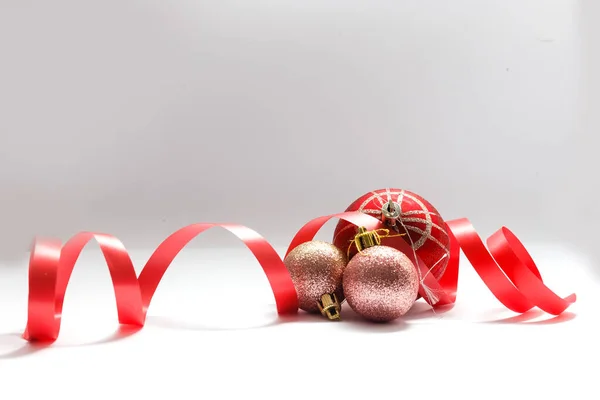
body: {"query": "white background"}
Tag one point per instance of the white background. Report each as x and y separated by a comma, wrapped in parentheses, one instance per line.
(139, 117)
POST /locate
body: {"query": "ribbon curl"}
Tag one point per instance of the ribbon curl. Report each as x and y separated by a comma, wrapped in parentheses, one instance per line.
(51, 265)
(505, 267)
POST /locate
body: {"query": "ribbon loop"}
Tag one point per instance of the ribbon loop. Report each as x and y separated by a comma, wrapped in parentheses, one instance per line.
(505, 267)
(279, 278)
(50, 268)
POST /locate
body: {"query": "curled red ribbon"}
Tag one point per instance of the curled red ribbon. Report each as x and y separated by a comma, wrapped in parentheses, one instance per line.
(50, 269)
(506, 268)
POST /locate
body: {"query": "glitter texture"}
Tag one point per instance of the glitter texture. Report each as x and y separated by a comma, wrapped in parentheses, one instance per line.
(316, 268)
(381, 283)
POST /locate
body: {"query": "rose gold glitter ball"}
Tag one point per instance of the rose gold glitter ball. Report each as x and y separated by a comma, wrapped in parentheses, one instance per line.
(316, 268)
(381, 283)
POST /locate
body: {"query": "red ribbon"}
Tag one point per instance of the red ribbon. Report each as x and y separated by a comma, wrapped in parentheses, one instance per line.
(506, 268)
(50, 268)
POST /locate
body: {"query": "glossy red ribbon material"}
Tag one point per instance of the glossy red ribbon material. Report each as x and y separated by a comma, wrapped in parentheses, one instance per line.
(50, 269)
(505, 267)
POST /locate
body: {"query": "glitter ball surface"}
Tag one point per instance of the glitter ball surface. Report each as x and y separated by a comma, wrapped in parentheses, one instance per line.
(316, 269)
(381, 283)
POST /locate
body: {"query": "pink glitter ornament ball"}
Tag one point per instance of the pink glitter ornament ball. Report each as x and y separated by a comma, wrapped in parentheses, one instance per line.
(316, 269)
(380, 283)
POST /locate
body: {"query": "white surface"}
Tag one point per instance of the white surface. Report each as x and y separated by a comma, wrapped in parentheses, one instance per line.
(189, 349)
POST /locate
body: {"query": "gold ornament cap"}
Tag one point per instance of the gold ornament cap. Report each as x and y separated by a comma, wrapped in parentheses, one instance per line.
(330, 306)
(365, 239)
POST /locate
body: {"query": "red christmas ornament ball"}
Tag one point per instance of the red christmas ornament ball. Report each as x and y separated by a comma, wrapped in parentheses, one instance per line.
(423, 226)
